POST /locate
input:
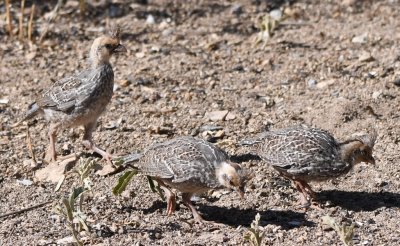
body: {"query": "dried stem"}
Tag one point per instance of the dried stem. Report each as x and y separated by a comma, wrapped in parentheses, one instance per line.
(82, 7)
(9, 21)
(53, 15)
(29, 143)
(30, 26)
(21, 20)
(25, 209)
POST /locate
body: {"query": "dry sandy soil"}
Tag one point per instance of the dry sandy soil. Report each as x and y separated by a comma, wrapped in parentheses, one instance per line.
(330, 64)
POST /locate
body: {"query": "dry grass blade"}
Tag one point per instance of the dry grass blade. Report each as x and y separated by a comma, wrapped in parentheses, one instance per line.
(30, 25)
(25, 209)
(82, 7)
(30, 146)
(53, 15)
(21, 21)
(9, 21)
(345, 232)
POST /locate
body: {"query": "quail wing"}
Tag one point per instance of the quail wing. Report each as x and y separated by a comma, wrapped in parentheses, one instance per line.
(70, 92)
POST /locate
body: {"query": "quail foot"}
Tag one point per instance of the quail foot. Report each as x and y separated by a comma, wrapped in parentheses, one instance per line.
(310, 154)
(80, 99)
(191, 166)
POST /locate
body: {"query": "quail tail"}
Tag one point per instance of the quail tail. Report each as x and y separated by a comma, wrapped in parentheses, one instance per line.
(248, 142)
(128, 159)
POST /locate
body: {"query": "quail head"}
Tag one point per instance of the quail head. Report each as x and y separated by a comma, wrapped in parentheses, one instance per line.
(190, 166)
(309, 154)
(80, 99)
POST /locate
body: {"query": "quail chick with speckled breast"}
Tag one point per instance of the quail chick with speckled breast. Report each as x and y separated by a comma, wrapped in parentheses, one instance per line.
(310, 154)
(82, 98)
(191, 166)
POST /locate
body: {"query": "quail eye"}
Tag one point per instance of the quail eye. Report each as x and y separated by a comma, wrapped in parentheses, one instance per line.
(108, 46)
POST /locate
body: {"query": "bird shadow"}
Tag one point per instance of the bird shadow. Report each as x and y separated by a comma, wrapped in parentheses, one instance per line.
(287, 219)
(244, 158)
(157, 205)
(359, 200)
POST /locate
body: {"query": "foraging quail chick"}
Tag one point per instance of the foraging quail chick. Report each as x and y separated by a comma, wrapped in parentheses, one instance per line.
(80, 99)
(309, 154)
(191, 166)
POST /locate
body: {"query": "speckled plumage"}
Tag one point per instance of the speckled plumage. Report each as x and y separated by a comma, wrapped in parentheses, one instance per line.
(80, 99)
(311, 154)
(184, 162)
(191, 166)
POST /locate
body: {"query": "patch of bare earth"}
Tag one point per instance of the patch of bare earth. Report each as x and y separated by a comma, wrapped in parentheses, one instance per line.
(329, 64)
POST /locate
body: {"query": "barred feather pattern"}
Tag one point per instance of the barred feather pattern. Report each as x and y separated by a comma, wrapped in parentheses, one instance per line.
(185, 163)
(79, 99)
(309, 154)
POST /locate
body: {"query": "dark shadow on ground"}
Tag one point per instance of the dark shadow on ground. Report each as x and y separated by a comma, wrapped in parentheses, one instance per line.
(236, 217)
(287, 219)
(360, 200)
(245, 158)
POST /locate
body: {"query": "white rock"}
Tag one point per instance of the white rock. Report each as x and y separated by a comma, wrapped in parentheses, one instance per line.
(26, 182)
(150, 19)
(217, 115)
(66, 240)
(361, 39)
(365, 57)
(325, 83)
(4, 101)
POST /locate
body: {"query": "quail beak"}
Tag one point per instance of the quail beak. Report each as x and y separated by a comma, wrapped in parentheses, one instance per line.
(371, 160)
(120, 49)
(241, 192)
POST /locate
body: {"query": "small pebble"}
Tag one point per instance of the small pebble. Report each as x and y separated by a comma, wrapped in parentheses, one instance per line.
(311, 83)
(150, 19)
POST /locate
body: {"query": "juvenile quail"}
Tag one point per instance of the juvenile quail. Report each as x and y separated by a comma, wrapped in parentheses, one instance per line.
(190, 166)
(80, 99)
(309, 154)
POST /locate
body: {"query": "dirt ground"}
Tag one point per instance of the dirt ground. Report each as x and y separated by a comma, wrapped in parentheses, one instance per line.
(330, 64)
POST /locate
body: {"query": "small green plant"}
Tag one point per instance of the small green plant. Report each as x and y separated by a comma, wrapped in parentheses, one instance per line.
(154, 188)
(71, 208)
(254, 234)
(346, 232)
(123, 182)
(267, 26)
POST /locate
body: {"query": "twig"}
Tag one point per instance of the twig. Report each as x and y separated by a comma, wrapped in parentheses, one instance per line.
(82, 7)
(25, 209)
(30, 25)
(21, 20)
(53, 15)
(11, 233)
(29, 143)
(9, 21)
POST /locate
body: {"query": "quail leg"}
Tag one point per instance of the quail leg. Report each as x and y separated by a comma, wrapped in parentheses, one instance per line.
(186, 199)
(88, 143)
(197, 217)
(51, 151)
(307, 195)
(171, 199)
(309, 190)
(304, 201)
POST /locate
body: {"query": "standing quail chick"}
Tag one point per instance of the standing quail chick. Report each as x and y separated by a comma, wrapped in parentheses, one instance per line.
(309, 154)
(80, 99)
(190, 166)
